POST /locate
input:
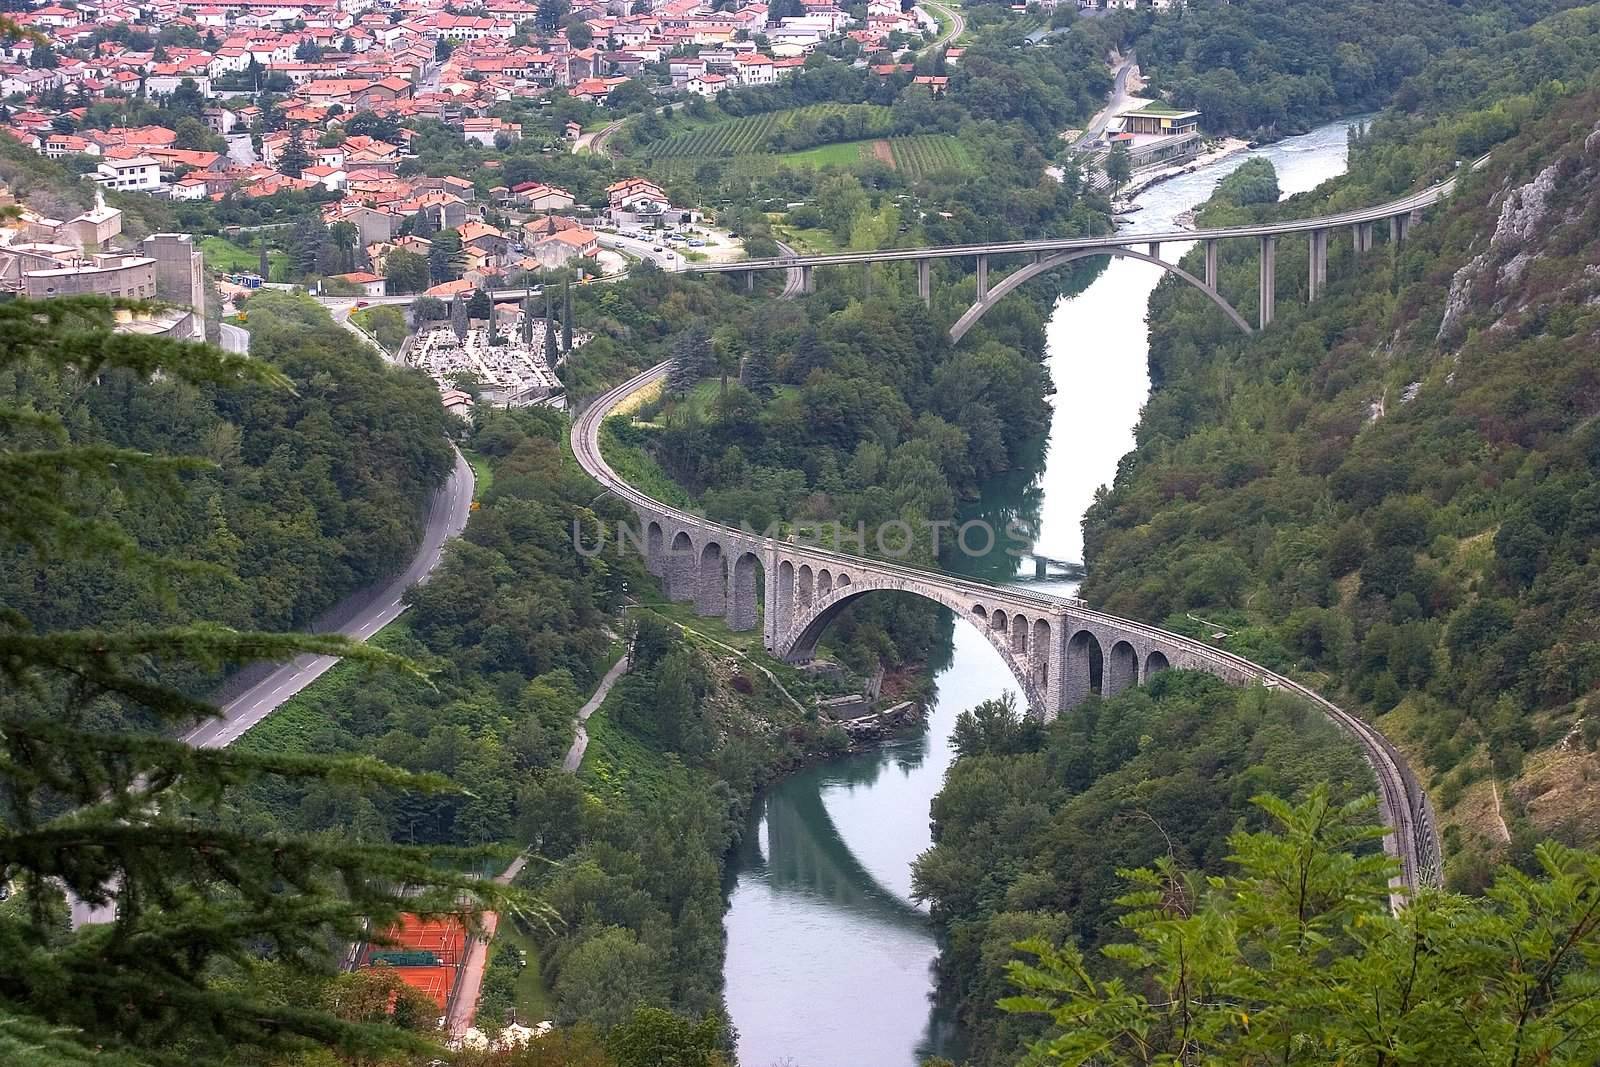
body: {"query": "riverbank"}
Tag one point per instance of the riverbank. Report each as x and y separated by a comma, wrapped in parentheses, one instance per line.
(1148, 177)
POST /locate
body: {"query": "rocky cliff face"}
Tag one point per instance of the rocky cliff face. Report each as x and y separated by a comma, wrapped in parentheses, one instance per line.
(1547, 212)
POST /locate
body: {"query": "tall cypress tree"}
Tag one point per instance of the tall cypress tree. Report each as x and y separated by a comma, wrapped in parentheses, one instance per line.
(566, 316)
(549, 330)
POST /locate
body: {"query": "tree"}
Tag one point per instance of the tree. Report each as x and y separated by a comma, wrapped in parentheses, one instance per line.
(549, 15)
(579, 35)
(653, 1036)
(1119, 166)
(442, 49)
(480, 306)
(192, 135)
(691, 359)
(1297, 958)
(264, 268)
(43, 57)
(566, 316)
(406, 272)
(140, 817)
(429, 308)
(293, 158)
(550, 350)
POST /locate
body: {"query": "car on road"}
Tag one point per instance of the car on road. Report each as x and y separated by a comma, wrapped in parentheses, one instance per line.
(657, 248)
(361, 303)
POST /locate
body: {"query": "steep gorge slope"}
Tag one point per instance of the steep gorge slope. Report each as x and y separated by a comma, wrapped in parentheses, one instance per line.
(1397, 491)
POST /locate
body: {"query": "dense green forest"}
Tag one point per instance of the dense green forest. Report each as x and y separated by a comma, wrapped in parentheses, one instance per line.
(1034, 822)
(1393, 491)
(515, 629)
(1273, 67)
(308, 495)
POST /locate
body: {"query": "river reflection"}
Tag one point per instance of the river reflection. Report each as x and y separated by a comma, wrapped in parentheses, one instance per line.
(829, 962)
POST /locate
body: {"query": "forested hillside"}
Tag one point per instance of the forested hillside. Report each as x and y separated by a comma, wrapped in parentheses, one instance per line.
(1394, 491)
(1035, 824)
(1274, 67)
(300, 499)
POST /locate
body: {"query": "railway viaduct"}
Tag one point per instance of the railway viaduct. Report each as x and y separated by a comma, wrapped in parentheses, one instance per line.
(1047, 642)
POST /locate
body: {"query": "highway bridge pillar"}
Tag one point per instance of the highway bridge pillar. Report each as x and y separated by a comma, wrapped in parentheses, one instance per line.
(925, 281)
(1155, 249)
(808, 280)
(983, 278)
(1398, 225)
(1361, 233)
(1319, 262)
(749, 281)
(1269, 279)
(1211, 264)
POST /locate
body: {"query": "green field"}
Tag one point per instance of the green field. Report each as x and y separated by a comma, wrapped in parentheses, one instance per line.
(929, 153)
(533, 999)
(223, 255)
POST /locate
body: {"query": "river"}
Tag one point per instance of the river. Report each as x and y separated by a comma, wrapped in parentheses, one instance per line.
(829, 963)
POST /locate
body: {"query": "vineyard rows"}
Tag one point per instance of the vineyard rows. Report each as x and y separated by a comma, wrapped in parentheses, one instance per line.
(928, 153)
(915, 157)
(733, 137)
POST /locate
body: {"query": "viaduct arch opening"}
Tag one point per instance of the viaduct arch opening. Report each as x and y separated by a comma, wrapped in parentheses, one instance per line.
(1024, 645)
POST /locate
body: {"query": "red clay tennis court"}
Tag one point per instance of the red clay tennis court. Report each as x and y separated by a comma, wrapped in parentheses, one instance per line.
(444, 938)
(436, 982)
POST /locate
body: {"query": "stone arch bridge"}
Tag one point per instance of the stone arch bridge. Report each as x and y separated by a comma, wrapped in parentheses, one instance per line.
(1047, 642)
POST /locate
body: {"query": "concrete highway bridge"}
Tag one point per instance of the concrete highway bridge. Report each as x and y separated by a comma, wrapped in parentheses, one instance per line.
(1049, 253)
(1045, 641)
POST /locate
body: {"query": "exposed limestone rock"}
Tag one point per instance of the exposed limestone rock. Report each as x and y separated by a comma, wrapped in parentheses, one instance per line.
(1522, 214)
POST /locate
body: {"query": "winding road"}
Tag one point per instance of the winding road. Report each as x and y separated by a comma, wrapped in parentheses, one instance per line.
(1117, 101)
(364, 614)
(957, 25)
(361, 615)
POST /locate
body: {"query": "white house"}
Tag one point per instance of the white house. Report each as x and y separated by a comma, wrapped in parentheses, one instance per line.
(190, 188)
(706, 84)
(755, 70)
(139, 174)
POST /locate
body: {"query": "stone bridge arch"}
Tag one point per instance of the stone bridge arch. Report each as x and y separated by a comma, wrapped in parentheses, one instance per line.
(1032, 270)
(1014, 635)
